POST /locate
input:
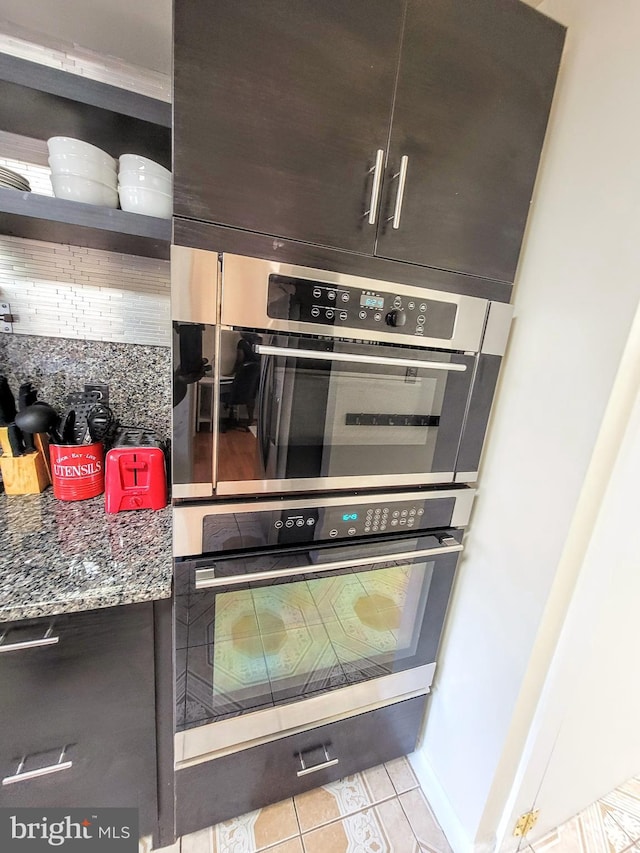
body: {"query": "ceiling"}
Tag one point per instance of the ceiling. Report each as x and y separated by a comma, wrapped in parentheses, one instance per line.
(138, 31)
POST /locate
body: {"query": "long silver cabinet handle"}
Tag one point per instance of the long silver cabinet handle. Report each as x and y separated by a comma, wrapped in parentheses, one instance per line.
(47, 640)
(402, 180)
(375, 189)
(330, 762)
(25, 776)
(206, 578)
(263, 349)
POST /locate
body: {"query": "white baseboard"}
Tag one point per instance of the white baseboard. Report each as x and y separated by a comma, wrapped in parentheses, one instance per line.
(440, 805)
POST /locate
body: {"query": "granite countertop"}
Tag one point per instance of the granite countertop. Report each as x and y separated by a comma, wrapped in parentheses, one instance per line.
(66, 556)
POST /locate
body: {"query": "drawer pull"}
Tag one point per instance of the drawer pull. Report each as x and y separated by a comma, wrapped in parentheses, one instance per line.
(330, 762)
(24, 776)
(47, 640)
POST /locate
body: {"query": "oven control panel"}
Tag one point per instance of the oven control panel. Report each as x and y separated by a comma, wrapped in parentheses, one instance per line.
(262, 527)
(324, 304)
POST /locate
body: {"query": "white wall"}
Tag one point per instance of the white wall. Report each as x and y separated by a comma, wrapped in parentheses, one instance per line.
(584, 738)
(576, 295)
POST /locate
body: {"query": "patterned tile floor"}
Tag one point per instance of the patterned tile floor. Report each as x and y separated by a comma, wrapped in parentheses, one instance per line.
(383, 810)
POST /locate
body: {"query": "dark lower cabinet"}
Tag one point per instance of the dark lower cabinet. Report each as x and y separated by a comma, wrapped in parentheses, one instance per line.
(78, 715)
(233, 784)
(280, 110)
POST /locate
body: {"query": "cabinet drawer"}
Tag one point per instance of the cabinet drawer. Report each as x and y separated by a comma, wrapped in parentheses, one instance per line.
(78, 711)
(252, 778)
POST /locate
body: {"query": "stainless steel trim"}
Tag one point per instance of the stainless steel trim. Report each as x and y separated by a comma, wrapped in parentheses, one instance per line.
(402, 179)
(194, 285)
(466, 476)
(349, 358)
(206, 578)
(47, 640)
(22, 776)
(330, 762)
(245, 283)
(192, 490)
(375, 189)
(496, 333)
(187, 520)
(202, 743)
(300, 484)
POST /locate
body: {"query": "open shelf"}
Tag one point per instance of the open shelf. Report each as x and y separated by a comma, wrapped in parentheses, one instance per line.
(56, 220)
(40, 102)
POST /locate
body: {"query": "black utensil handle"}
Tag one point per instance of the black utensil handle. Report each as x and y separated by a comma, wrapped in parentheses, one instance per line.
(29, 446)
(15, 440)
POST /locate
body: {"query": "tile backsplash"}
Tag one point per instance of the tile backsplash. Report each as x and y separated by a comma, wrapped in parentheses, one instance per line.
(74, 292)
(139, 377)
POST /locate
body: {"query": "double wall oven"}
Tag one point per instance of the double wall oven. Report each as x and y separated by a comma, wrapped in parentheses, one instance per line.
(326, 428)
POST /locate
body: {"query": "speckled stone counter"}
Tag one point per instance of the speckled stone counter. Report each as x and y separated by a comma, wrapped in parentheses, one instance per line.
(62, 557)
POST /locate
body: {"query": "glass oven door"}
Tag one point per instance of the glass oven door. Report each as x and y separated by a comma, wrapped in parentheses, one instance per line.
(310, 413)
(255, 632)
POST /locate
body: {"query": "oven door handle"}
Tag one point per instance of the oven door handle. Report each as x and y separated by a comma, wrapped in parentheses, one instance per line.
(206, 578)
(263, 349)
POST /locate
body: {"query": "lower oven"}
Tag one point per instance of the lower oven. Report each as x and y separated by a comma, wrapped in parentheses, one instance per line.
(280, 643)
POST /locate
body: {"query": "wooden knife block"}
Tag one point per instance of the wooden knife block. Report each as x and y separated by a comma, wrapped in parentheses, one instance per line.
(28, 474)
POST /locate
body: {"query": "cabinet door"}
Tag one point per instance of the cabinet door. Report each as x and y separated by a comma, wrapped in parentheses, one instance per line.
(475, 85)
(90, 693)
(279, 109)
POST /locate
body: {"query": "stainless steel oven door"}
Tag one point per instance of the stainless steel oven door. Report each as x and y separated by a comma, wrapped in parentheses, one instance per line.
(260, 633)
(310, 413)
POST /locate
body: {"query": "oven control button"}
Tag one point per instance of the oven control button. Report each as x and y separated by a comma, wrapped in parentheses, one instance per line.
(278, 525)
(317, 293)
(362, 315)
(377, 316)
(289, 522)
(419, 330)
(412, 512)
(315, 312)
(311, 521)
(397, 302)
(420, 512)
(344, 297)
(351, 531)
(421, 319)
(344, 315)
(300, 522)
(394, 522)
(403, 521)
(331, 294)
(329, 314)
(423, 306)
(333, 533)
(396, 318)
(404, 513)
(367, 529)
(411, 305)
(396, 513)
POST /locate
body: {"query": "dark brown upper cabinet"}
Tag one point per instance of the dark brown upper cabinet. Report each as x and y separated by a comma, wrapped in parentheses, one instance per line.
(406, 129)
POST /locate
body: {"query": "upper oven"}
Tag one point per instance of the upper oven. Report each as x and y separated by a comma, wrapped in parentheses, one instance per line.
(293, 379)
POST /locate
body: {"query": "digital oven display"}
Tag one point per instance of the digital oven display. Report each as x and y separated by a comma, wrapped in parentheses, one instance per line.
(368, 301)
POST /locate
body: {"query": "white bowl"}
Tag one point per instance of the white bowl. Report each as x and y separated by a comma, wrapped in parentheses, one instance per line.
(136, 163)
(82, 167)
(75, 188)
(143, 200)
(67, 145)
(145, 179)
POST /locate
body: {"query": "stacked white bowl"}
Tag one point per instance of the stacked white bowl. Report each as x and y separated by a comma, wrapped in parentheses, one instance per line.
(144, 186)
(82, 172)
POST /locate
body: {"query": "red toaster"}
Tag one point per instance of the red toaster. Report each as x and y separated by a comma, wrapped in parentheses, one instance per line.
(134, 474)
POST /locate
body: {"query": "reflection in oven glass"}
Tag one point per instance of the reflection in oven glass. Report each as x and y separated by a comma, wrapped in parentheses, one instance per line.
(285, 642)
